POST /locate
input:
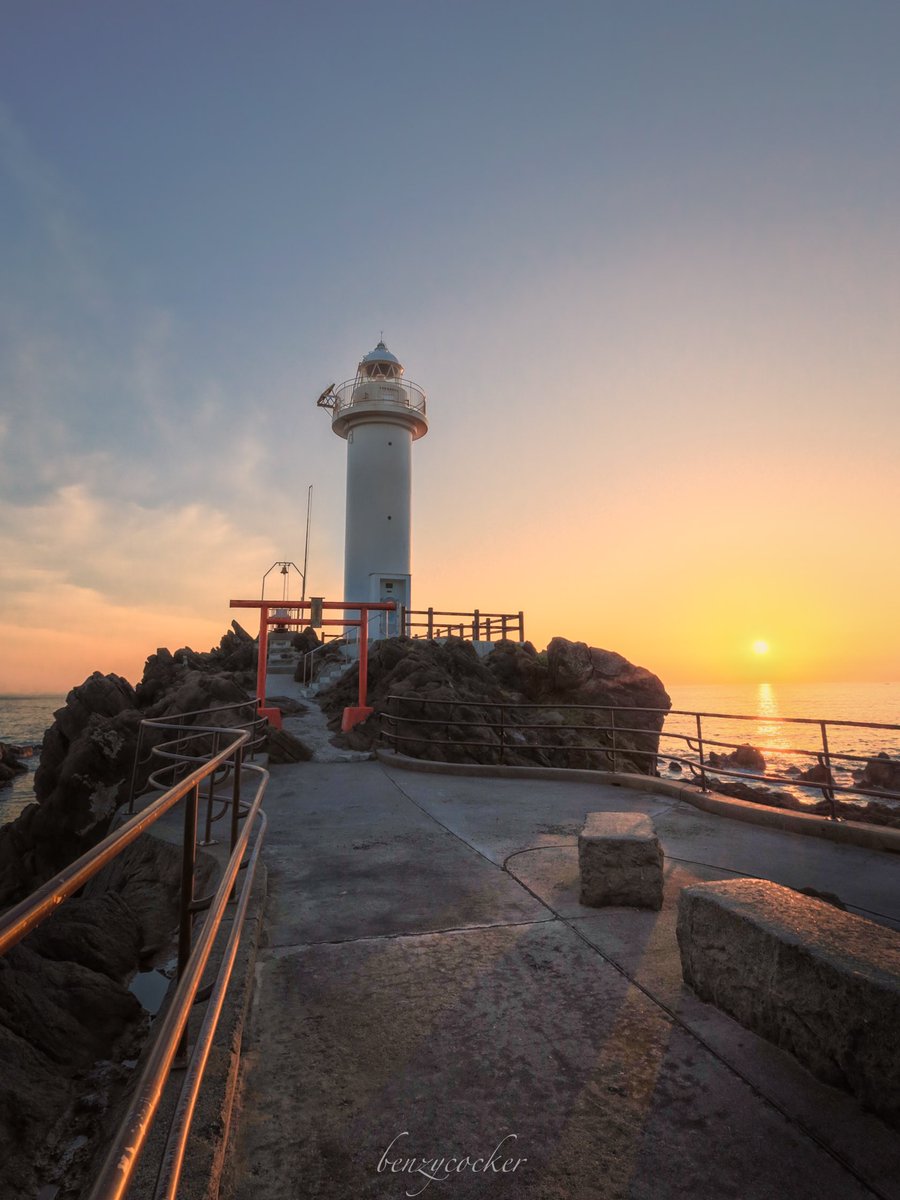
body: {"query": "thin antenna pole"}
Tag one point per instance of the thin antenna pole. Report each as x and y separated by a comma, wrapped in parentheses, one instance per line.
(306, 549)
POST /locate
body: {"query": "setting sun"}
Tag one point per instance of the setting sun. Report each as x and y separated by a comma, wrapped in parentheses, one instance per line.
(760, 647)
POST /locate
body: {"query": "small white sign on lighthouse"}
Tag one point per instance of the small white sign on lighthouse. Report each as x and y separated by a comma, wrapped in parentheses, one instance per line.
(380, 414)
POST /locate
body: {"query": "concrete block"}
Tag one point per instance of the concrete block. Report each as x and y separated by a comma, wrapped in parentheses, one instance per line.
(620, 861)
(821, 983)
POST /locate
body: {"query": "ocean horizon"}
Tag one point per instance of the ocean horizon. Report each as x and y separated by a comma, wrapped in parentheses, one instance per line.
(25, 717)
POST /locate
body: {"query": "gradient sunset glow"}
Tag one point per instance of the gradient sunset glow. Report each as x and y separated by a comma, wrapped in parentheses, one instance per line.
(644, 262)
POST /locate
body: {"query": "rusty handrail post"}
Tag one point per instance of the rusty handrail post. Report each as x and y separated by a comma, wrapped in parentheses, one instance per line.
(476, 626)
(502, 731)
(210, 793)
(503, 627)
(703, 783)
(612, 726)
(235, 806)
(521, 626)
(134, 769)
(827, 790)
(185, 914)
(431, 624)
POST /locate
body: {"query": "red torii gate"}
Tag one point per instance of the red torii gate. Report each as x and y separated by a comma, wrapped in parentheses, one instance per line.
(352, 716)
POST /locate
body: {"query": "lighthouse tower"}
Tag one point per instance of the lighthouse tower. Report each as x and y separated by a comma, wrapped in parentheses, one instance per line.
(380, 414)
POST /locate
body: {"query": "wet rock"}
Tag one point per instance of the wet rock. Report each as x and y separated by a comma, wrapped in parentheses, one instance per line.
(743, 758)
(818, 774)
(881, 773)
(10, 764)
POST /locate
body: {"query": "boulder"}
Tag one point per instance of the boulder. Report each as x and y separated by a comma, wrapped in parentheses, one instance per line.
(467, 728)
(817, 774)
(306, 640)
(881, 773)
(10, 764)
(743, 758)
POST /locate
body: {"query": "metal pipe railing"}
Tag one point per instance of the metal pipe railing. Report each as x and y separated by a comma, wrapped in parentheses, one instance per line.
(170, 1040)
(499, 739)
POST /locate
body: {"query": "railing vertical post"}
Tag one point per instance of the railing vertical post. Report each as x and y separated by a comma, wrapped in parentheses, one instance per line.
(502, 735)
(363, 655)
(612, 725)
(503, 626)
(263, 654)
(488, 630)
(521, 627)
(828, 791)
(185, 915)
(431, 624)
(703, 783)
(134, 769)
(476, 626)
(235, 807)
(210, 792)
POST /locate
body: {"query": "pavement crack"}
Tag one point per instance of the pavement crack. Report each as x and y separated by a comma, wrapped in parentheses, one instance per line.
(281, 949)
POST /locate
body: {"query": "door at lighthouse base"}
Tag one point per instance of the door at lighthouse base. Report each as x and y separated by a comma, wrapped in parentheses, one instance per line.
(390, 587)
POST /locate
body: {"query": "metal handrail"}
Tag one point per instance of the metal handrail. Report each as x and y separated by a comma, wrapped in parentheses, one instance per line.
(171, 1035)
(254, 724)
(307, 663)
(699, 766)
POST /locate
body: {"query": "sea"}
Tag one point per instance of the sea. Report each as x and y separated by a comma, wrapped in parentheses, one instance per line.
(23, 720)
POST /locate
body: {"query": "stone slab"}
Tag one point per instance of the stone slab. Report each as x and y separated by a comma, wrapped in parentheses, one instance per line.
(620, 861)
(444, 1045)
(821, 983)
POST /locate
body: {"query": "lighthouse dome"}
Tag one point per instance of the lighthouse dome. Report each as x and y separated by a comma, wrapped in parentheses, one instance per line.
(380, 364)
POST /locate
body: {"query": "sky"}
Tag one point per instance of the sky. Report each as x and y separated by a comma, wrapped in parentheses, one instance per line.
(643, 258)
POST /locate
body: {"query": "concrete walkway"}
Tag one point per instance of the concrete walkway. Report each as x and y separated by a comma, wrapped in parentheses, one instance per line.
(430, 983)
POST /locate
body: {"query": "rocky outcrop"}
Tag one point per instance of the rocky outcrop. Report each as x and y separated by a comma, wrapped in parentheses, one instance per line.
(69, 1025)
(67, 1017)
(742, 758)
(89, 751)
(451, 696)
(10, 764)
(881, 773)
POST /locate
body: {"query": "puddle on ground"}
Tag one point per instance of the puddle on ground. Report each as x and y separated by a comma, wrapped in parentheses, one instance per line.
(150, 987)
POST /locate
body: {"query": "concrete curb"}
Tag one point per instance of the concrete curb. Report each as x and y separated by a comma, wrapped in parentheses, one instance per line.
(854, 833)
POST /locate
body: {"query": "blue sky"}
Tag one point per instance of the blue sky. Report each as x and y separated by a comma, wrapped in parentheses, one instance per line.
(643, 258)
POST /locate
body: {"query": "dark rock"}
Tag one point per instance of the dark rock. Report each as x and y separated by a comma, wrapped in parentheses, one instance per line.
(306, 640)
(881, 773)
(743, 758)
(10, 764)
(519, 668)
(817, 774)
(99, 932)
(451, 697)
(675, 768)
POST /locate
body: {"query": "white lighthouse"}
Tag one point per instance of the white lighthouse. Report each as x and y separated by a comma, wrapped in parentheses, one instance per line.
(380, 414)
